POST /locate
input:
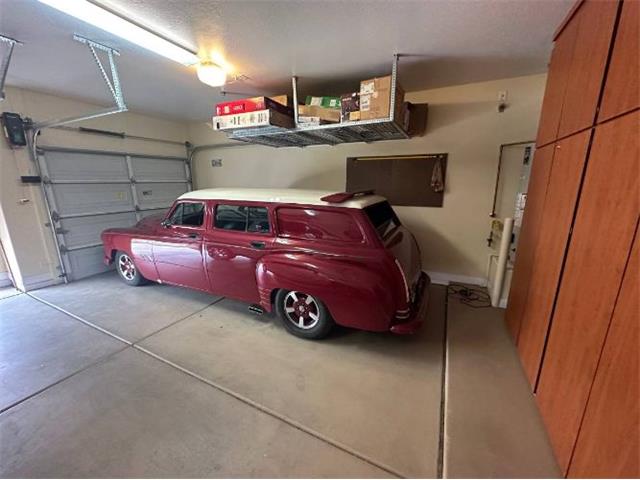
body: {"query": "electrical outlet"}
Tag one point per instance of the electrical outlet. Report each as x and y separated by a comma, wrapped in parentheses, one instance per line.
(216, 162)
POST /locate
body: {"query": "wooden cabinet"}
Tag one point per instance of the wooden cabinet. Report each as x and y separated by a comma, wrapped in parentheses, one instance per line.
(623, 80)
(528, 237)
(557, 213)
(599, 249)
(576, 71)
(573, 307)
(609, 440)
(557, 79)
(595, 20)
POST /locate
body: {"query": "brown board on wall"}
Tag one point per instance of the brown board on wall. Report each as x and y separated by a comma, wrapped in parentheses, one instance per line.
(405, 180)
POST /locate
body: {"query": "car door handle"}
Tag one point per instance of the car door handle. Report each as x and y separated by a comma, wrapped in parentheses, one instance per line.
(193, 235)
(257, 244)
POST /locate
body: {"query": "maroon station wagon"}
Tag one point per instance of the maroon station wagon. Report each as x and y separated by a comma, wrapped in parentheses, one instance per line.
(319, 258)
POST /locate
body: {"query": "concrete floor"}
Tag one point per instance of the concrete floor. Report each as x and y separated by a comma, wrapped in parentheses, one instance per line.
(103, 380)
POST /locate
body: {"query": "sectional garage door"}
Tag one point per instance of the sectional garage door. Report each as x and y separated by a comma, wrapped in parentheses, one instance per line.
(89, 191)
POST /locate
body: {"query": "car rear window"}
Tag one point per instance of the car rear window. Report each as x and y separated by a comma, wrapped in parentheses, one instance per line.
(312, 224)
(382, 217)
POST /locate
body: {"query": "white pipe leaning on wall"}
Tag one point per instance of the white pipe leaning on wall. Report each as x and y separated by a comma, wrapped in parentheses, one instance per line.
(503, 256)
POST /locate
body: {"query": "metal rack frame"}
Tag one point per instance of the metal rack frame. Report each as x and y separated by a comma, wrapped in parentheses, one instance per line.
(329, 134)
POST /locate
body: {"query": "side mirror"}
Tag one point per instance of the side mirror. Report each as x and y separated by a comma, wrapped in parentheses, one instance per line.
(166, 223)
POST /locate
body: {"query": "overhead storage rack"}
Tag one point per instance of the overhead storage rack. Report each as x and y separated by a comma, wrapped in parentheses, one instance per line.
(329, 134)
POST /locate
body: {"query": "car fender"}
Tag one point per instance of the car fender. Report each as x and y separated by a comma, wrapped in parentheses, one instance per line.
(139, 249)
(356, 294)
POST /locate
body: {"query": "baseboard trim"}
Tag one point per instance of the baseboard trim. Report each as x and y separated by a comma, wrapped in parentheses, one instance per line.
(442, 278)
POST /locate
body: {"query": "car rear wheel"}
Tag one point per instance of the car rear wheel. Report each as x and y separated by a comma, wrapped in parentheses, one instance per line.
(303, 315)
(128, 270)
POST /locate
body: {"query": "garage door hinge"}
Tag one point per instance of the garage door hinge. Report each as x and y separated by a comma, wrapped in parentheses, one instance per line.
(46, 179)
(61, 231)
(132, 180)
(62, 275)
(137, 208)
(63, 249)
(54, 216)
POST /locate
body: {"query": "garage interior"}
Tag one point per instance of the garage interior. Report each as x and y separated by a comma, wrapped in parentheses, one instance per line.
(509, 148)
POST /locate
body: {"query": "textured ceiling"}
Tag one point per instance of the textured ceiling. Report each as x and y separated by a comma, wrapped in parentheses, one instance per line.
(328, 44)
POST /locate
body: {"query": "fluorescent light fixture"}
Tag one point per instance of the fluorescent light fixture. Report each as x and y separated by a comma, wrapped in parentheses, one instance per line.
(211, 73)
(102, 18)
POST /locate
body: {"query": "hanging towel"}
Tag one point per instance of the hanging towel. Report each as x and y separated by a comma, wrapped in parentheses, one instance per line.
(437, 182)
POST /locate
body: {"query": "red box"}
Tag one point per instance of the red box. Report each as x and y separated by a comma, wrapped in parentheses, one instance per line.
(245, 105)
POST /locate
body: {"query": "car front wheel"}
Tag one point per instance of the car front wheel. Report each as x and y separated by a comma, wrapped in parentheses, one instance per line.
(303, 315)
(128, 270)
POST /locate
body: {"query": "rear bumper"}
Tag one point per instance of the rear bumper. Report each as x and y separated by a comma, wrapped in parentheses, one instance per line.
(418, 309)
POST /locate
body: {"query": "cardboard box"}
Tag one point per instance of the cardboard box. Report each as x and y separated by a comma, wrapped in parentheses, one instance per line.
(328, 114)
(254, 104)
(262, 118)
(349, 102)
(326, 102)
(282, 100)
(375, 98)
(418, 113)
(307, 121)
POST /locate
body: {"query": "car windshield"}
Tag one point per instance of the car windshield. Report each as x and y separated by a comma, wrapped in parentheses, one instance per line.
(382, 217)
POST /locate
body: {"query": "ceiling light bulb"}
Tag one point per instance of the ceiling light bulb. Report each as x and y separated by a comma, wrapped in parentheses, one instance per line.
(211, 73)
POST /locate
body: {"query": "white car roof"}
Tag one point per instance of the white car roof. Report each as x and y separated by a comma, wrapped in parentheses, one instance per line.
(284, 195)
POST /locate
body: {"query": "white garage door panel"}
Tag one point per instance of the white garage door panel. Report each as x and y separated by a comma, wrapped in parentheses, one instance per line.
(158, 195)
(90, 191)
(85, 167)
(158, 170)
(86, 262)
(81, 231)
(147, 213)
(75, 199)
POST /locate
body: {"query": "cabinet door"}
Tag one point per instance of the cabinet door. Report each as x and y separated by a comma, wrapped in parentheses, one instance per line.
(598, 250)
(595, 20)
(556, 84)
(528, 237)
(622, 84)
(609, 440)
(557, 216)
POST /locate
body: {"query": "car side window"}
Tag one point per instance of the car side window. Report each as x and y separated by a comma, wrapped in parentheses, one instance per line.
(258, 220)
(312, 224)
(188, 214)
(242, 218)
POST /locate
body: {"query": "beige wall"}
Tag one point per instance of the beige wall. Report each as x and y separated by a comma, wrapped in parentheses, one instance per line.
(27, 241)
(463, 122)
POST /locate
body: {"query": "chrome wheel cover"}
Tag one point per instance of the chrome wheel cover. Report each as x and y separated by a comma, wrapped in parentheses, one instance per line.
(126, 267)
(302, 310)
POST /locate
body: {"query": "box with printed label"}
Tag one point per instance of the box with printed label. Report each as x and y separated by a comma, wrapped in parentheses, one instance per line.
(349, 103)
(375, 98)
(253, 104)
(262, 118)
(325, 102)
